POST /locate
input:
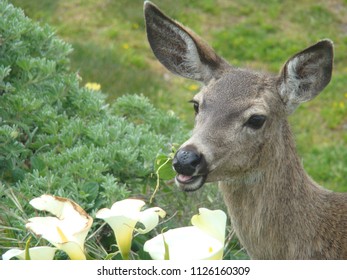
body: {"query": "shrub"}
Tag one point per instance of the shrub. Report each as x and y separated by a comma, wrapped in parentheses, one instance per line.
(61, 138)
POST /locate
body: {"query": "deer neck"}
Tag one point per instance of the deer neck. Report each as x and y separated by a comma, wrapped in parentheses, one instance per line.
(264, 204)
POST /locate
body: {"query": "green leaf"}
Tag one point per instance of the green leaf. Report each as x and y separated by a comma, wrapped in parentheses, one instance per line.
(37, 163)
(166, 246)
(91, 189)
(163, 170)
(27, 253)
(163, 167)
(18, 174)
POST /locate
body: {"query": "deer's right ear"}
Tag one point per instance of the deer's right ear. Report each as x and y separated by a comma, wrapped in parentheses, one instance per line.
(179, 49)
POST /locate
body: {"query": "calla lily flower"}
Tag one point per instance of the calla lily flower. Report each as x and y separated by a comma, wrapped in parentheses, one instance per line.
(202, 241)
(68, 230)
(35, 253)
(123, 217)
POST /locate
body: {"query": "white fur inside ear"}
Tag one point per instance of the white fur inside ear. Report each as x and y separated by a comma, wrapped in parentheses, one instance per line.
(191, 59)
(299, 81)
(191, 65)
(290, 85)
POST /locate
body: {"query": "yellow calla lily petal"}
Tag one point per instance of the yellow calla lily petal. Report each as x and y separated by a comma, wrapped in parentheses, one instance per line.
(212, 222)
(36, 253)
(62, 235)
(73, 250)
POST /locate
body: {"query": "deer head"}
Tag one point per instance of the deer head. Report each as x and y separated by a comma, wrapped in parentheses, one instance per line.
(240, 115)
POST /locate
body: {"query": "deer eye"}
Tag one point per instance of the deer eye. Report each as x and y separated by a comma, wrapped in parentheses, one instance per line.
(256, 121)
(195, 106)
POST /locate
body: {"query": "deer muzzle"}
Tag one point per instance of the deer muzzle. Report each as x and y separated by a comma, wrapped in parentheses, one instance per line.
(191, 168)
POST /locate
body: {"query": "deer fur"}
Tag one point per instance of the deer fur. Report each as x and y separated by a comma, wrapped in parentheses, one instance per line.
(276, 209)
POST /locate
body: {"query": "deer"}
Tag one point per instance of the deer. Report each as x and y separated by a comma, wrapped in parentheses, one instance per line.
(242, 140)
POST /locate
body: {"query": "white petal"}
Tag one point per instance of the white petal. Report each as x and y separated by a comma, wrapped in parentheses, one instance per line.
(104, 213)
(122, 227)
(36, 253)
(123, 216)
(72, 224)
(42, 253)
(20, 254)
(47, 203)
(46, 227)
(150, 219)
(186, 243)
(60, 207)
(213, 222)
(127, 206)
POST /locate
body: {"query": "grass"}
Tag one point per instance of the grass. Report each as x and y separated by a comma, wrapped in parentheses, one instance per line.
(111, 49)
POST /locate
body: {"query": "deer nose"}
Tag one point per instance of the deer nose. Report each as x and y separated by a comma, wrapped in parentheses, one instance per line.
(186, 161)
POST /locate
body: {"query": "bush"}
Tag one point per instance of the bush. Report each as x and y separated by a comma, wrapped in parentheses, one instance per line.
(61, 138)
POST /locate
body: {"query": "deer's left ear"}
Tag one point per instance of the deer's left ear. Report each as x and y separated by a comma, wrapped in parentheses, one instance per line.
(306, 74)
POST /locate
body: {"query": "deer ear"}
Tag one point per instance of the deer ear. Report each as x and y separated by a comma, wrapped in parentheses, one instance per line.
(179, 49)
(306, 74)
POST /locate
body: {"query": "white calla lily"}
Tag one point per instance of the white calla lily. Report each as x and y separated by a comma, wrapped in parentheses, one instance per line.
(213, 222)
(123, 217)
(202, 241)
(68, 230)
(35, 253)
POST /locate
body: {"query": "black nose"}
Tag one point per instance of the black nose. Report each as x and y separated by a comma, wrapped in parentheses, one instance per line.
(186, 161)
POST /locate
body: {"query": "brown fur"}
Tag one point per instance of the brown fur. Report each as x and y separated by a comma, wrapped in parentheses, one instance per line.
(276, 209)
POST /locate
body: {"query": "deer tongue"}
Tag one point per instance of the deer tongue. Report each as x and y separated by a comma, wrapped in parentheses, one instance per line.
(184, 178)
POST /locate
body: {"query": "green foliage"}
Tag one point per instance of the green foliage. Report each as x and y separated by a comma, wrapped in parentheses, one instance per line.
(60, 138)
(333, 156)
(244, 40)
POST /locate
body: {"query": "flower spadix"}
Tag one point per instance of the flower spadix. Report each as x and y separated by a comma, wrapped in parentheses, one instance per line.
(123, 217)
(35, 253)
(67, 230)
(202, 241)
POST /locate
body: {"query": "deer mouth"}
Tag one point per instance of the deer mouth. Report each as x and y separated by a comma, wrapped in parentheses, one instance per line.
(191, 168)
(190, 183)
